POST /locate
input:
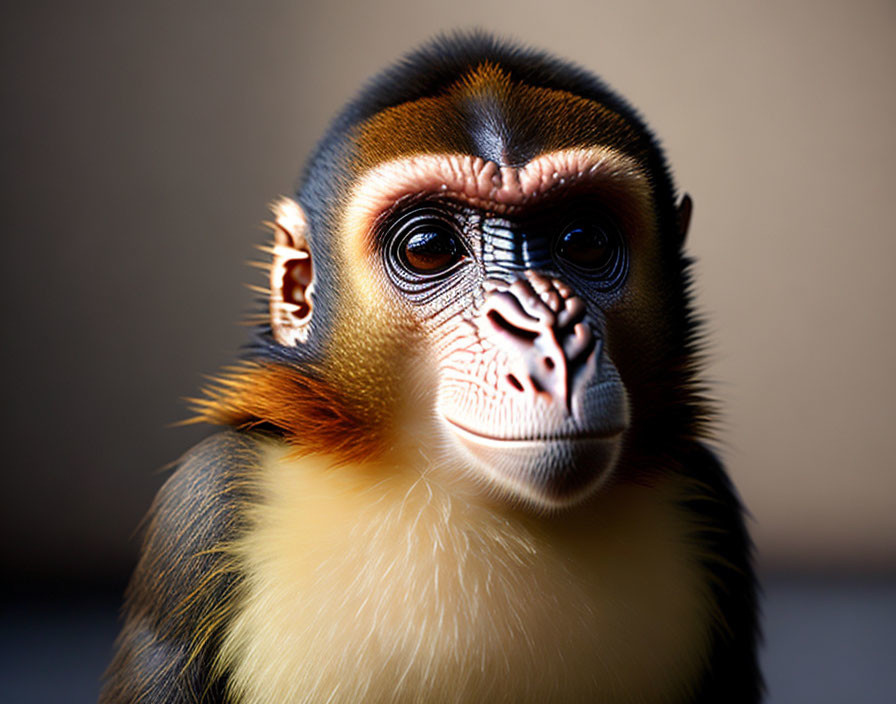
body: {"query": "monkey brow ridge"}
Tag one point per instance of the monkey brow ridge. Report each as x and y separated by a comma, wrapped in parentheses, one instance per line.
(482, 183)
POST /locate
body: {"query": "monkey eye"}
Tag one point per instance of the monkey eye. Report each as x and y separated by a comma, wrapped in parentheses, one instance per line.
(431, 250)
(430, 247)
(593, 246)
(585, 244)
(423, 250)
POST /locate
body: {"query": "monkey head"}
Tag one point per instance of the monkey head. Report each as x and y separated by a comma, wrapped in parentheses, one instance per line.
(479, 262)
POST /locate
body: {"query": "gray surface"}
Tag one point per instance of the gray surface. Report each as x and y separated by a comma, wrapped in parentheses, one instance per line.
(55, 650)
(830, 641)
(827, 642)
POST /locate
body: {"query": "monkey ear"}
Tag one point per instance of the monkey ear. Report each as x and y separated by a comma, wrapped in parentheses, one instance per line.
(684, 210)
(292, 275)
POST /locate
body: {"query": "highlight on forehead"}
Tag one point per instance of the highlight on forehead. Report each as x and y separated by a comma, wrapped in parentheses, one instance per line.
(487, 113)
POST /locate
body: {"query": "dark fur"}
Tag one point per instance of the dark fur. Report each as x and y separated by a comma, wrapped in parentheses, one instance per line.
(185, 585)
(733, 674)
(180, 596)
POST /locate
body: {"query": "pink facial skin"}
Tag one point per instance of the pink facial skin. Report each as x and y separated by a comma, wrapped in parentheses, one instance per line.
(539, 324)
(521, 393)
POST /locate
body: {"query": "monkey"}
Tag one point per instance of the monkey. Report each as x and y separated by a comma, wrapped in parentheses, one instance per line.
(466, 455)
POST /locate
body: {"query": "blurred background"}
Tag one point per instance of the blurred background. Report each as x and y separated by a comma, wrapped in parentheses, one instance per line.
(141, 143)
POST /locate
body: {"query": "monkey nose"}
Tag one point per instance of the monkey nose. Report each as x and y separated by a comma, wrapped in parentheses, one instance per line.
(539, 323)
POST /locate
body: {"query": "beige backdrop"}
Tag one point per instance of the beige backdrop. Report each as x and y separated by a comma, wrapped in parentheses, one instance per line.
(153, 134)
(780, 120)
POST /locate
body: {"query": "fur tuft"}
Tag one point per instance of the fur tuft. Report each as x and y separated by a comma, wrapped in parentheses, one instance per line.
(310, 414)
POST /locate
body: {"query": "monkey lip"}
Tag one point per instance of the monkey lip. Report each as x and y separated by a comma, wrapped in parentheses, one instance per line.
(548, 472)
(532, 441)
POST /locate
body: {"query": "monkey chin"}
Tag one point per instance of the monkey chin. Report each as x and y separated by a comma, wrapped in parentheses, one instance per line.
(547, 474)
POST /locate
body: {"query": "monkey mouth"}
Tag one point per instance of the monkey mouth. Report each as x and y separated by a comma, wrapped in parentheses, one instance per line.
(533, 441)
(546, 472)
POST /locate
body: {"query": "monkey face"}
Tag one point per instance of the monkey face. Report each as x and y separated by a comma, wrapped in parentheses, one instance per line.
(513, 294)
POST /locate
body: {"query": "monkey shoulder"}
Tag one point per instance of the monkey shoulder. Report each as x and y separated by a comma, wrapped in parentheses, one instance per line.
(184, 587)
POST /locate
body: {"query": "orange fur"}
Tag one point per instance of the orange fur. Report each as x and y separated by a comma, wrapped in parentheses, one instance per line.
(313, 416)
(430, 125)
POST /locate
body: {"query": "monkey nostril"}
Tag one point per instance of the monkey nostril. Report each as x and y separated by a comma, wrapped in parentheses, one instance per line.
(514, 382)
